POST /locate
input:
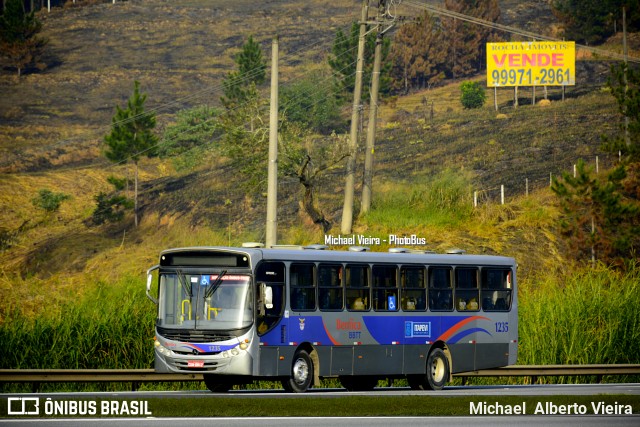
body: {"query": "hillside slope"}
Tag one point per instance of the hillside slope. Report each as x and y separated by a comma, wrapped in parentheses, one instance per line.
(52, 124)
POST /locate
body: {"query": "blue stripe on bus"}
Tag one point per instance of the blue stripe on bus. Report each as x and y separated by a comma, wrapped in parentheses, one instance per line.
(383, 329)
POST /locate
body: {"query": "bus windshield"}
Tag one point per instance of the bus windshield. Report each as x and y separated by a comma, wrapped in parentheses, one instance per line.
(205, 301)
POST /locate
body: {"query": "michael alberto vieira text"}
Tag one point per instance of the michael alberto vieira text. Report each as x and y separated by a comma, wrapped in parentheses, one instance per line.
(360, 239)
(549, 408)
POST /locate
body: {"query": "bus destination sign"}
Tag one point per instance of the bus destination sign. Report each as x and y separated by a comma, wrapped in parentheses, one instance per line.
(531, 64)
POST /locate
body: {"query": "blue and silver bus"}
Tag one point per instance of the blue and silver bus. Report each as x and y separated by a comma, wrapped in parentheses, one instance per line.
(299, 315)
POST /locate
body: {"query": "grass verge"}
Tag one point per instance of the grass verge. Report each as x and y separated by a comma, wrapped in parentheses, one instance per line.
(366, 406)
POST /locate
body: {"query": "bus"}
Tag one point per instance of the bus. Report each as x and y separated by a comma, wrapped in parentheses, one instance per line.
(299, 315)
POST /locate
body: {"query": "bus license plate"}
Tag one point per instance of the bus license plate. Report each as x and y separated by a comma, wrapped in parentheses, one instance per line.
(195, 364)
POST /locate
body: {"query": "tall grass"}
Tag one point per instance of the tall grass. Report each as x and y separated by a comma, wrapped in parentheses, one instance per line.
(109, 327)
(444, 201)
(592, 316)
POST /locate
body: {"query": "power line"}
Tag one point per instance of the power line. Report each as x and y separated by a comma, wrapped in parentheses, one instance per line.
(513, 30)
(246, 78)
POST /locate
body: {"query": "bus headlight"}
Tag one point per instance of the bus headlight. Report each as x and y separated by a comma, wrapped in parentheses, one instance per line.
(161, 349)
(243, 346)
(235, 351)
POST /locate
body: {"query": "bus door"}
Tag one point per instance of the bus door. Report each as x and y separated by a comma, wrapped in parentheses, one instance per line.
(269, 312)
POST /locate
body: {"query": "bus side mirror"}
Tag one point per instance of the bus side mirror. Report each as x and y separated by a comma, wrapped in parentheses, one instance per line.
(149, 282)
(266, 298)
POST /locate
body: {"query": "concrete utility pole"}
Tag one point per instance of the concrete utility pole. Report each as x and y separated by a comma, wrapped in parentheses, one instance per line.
(347, 210)
(625, 52)
(373, 113)
(271, 228)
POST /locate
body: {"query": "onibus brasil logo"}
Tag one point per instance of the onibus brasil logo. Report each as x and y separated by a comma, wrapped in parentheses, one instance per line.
(37, 406)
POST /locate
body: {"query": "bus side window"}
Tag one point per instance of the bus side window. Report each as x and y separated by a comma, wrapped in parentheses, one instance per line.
(302, 287)
(496, 289)
(385, 287)
(440, 292)
(467, 294)
(414, 293)
(330, 287)
(357, 285)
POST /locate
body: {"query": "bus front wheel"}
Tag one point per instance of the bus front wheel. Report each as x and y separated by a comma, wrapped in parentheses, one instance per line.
(436, 375)
(301, 373)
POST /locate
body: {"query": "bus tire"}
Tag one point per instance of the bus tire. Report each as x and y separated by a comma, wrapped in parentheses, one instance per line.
(216, 383)
(437, 370)
(436, 375)
(302, 372)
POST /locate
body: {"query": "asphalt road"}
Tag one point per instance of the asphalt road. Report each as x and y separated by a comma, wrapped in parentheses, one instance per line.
(469, 390)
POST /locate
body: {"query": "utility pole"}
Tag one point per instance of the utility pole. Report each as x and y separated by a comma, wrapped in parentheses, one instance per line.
(347, 210)
(373, 113)
(627, 137)
(272, 177)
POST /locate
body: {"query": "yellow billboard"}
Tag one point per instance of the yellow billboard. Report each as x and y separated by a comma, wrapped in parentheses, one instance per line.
(531, 64)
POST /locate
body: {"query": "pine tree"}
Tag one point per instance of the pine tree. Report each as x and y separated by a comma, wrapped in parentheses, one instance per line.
(592, 21)
(467, 41)
(343, 61)
(418, 54)
(250, 62)
(241, 85)
(598, 220)
(244, 126)
(20, 45)
(131, 136)
(624, 83)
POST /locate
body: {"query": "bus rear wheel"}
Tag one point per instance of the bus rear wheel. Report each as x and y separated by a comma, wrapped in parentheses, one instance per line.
(301, 373)
(216, 383)
(436, 375)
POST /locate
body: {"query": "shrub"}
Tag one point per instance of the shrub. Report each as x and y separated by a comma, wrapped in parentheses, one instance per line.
(49, 201)
(110, 208)
(473, 95)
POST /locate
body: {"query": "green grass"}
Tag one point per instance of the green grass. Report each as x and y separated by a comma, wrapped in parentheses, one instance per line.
(110, 326)
(588, 317)
(444, 201)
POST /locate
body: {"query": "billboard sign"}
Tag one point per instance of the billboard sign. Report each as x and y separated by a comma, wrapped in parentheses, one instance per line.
(531, 64)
